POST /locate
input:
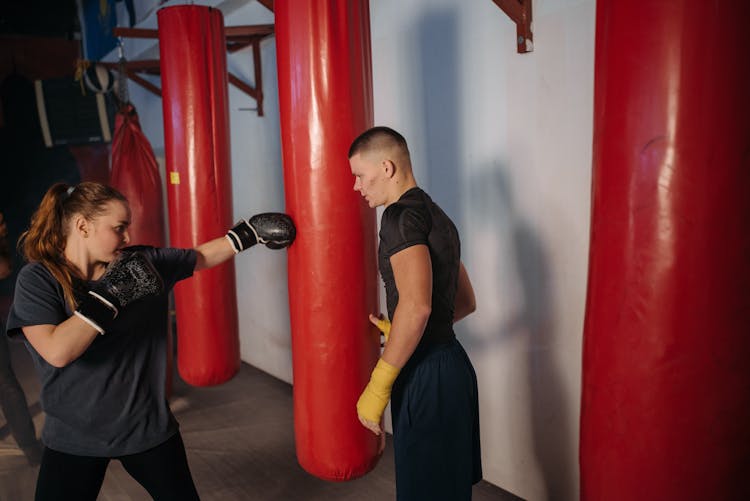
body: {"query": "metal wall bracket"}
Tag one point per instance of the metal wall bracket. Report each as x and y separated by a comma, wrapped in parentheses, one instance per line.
(238, 38)
(268, 4)
(519, 11)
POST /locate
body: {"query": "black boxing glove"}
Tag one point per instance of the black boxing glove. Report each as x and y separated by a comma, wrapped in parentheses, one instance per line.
(272, 229)
(128, 278)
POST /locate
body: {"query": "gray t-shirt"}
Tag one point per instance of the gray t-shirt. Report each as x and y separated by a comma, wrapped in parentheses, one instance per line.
(111, 400)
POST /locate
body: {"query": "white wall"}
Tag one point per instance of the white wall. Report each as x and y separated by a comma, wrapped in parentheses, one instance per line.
(257, 181)
(503, 142)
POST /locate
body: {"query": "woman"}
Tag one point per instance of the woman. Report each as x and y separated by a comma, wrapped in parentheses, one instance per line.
(92, 312)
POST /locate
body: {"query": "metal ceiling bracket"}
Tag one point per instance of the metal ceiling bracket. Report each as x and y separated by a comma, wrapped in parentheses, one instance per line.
(519, 11)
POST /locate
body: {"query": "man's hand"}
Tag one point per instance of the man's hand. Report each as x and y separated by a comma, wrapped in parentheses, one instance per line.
(376, 395)
(371, 425)
(383, 325)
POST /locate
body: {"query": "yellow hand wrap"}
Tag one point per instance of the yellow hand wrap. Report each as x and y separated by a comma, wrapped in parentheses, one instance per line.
(385, 327)
(374, 398)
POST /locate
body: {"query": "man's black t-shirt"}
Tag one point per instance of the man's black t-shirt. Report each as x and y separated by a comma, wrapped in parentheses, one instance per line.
(413, 220)
(111, 400)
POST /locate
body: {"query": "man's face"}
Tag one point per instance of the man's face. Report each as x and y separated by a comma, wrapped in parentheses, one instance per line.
(369, 178)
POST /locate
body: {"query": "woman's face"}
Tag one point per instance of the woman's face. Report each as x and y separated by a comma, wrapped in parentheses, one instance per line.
(107, 233)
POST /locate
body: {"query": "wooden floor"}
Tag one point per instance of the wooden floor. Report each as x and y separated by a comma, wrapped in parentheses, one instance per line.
(240, 444)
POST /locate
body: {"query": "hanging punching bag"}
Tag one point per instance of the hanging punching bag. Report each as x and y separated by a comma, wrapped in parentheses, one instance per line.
(199, 193)
(325, 101)
(135, 173)
(666, 387)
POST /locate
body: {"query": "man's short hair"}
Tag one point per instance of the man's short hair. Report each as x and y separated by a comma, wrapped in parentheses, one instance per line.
(379, 137)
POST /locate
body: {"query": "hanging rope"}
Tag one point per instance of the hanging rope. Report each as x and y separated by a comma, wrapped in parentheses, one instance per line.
(122, 76)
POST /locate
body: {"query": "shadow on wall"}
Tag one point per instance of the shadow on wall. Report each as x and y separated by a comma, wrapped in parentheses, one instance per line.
(511, 253)
(438, 59)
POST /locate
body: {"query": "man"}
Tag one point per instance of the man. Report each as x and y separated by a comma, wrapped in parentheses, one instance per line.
(423, 370)
(12, 398)
(5, 266)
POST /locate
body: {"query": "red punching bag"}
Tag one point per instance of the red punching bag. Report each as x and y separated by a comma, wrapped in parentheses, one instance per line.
(325, 101)
(199, 192)
(135, 173)
(666, 386)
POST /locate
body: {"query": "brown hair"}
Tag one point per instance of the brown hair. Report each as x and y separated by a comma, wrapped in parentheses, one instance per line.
(378, 137)
(44, 241)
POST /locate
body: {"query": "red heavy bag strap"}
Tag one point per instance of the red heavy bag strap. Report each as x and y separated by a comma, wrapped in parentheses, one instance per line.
(666, 385)
(196, 139)
(325, 101)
